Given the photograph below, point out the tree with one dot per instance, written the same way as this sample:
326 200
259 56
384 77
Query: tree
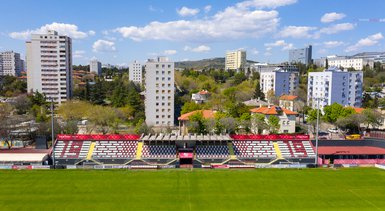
336 111
351 123
190 106
273 123
22 104
245 123
142 128
229 124
258 94
259 122
196 124
372 118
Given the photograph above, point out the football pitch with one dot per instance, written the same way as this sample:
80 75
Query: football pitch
181 189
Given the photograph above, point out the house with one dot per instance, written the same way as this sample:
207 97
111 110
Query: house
184 118
286 118
287 101
200 97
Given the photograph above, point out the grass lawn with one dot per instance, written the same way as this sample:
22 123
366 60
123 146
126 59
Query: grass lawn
179 189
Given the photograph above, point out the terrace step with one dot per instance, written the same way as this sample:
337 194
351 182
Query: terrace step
277 150
231 151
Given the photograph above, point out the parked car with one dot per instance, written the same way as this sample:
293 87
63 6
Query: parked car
333 130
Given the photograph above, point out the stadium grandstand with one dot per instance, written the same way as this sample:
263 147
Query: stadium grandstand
160 150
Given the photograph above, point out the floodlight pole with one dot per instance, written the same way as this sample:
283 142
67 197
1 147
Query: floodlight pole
316 135
52 135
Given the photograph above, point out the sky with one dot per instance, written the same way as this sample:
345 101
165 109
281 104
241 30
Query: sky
120 31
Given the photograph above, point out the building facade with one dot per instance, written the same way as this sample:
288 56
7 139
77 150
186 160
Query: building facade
286 119
49 65
335 86
159 85
96 67
349 62
11 64
301 55
135 72
281 82
235 60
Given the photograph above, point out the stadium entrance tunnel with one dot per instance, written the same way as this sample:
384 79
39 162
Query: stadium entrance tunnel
186 156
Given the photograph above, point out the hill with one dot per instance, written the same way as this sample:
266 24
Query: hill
216 63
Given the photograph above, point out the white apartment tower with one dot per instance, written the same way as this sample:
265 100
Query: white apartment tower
281 82
96 66
49 65
135 72
10 63
335 86
159 84
235 60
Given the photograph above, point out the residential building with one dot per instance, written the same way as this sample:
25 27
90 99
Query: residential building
286 118
11 63
349 62
281 82
335 86
49 65
301 55
200 97
135 72
159 94
96 67
235 60
185 118
287 101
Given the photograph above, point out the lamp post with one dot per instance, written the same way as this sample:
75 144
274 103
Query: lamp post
316 135
52 135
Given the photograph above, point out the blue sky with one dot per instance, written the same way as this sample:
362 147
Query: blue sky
120 31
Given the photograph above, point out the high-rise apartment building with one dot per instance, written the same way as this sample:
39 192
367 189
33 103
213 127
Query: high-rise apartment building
49 65
235 60
10 63
96 67
280 81
335 86
159 85
135 72
301 55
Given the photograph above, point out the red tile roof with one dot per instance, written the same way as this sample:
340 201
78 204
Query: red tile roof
207 114
350 150
358 110
288 97
203 92
272 110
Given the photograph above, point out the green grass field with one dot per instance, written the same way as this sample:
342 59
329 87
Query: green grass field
179 189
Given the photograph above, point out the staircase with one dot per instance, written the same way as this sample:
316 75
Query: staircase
277 150
139 150
91 150
231 150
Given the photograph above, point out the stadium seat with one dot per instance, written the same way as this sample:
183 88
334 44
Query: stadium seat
115 149
159 151
212 151
254 149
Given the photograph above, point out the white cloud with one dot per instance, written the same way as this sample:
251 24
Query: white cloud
332 44
279 43
365 42
70 30
185 11
254 51
91 32
78 54
199 49
336 28
154 9
207 8
260 4
297 31
331 17
243 20
103 46
170 52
